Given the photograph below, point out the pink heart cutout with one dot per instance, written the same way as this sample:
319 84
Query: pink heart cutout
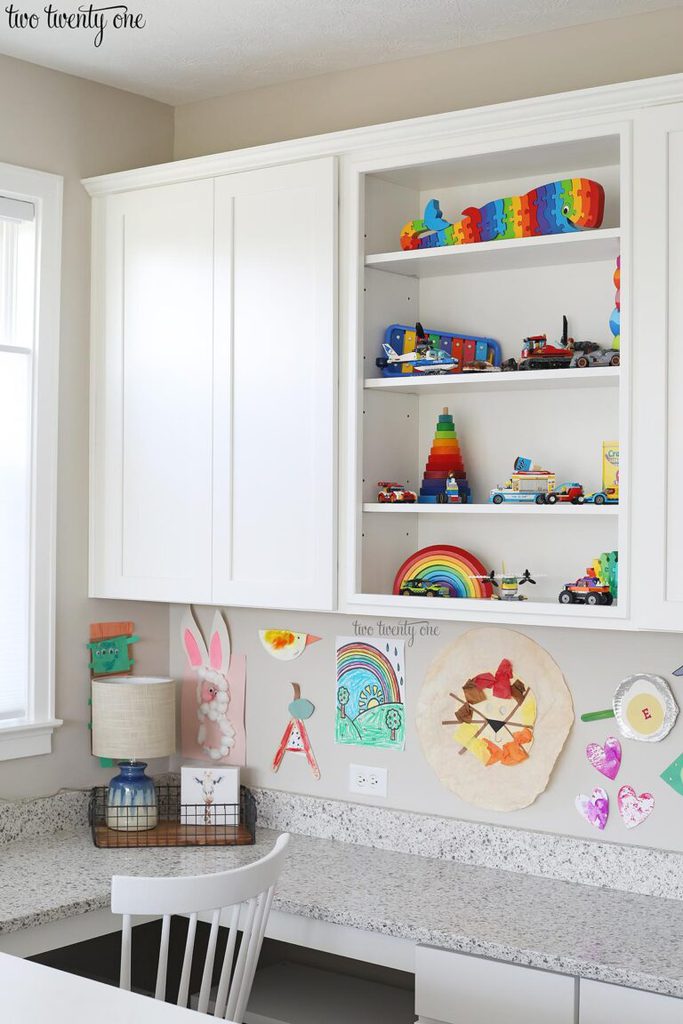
594 808
634 809
607 759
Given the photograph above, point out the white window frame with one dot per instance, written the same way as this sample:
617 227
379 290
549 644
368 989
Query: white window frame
32 734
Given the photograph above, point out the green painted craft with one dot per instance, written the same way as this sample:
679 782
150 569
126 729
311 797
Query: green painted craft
111 656
673 775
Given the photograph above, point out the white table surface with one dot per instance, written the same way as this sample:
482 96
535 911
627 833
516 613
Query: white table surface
33 993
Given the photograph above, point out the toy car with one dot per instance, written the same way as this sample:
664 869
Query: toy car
393 492
500 494
588 589
539 354
588 353
566 492
421 588
608 497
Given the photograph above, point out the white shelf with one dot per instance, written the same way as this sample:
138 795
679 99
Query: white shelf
561 509
508 254
515 380
486 609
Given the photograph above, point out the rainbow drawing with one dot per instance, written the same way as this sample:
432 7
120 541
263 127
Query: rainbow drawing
574 204
370 692
443 565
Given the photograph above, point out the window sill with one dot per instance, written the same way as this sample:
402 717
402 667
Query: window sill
27 739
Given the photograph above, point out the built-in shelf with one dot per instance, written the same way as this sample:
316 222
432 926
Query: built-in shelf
464 607
516 380
507 254
560 509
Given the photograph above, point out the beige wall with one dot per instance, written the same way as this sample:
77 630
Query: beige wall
54 122
572 58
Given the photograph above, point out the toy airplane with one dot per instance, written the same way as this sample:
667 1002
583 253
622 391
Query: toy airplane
509 584
427 357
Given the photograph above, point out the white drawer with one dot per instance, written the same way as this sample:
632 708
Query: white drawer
460 989
599 1003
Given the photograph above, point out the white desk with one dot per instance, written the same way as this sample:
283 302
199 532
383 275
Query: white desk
32 993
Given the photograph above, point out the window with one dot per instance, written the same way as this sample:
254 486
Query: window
30 248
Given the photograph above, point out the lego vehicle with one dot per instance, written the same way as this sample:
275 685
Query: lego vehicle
588 353
424 359
509 584
393 492
566 492
608 497
528 483
539 354
451 496
421 588
588 589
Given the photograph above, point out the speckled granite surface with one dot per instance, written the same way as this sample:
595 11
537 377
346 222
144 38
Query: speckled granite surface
628 868
561 926
42 816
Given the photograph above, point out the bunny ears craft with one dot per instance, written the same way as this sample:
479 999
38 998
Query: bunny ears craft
217 657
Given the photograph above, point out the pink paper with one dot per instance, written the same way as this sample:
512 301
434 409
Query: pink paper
192 697
607 759
634 809
594 808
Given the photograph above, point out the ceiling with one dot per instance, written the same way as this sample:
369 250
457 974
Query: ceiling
195 49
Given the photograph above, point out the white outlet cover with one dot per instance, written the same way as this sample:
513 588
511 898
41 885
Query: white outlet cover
368 780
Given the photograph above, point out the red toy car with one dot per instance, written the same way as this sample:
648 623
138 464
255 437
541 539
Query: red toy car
588 589
566 492
394 492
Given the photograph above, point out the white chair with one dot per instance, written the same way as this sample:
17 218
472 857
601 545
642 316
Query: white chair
250 887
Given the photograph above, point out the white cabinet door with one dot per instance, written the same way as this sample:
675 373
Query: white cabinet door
151 394
657 538
602 1004
275 387
457 989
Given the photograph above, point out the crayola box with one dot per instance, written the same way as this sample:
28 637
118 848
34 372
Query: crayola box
610 468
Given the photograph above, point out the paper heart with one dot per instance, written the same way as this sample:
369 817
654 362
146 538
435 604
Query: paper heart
594 808
634 809
607 759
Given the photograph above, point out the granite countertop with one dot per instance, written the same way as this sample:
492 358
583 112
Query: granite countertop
561 926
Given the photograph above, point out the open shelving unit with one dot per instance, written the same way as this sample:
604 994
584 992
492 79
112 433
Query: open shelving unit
505 290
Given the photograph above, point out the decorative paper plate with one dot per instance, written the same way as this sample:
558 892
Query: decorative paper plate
644 707
493 714
446 566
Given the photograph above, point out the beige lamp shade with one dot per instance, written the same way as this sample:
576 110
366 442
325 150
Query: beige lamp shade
133 717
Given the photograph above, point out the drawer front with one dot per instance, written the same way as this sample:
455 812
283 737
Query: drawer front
460 989
599 1003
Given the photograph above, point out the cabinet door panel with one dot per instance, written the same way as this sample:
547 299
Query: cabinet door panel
275 477
658 370
460 989
600 1003
151 465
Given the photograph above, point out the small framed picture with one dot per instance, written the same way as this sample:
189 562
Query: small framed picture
209 796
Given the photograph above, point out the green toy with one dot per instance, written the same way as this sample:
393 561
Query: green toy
111 656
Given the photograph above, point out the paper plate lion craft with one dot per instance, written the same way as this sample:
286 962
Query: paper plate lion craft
493 715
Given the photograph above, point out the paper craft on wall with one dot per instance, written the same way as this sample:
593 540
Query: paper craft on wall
605 759
295 737
493 715
212 711
594 808
370 693
284 644
109 648
643 706
673 775
634 809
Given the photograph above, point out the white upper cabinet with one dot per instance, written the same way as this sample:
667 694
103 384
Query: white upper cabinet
275 381
213 390
151 394
658 369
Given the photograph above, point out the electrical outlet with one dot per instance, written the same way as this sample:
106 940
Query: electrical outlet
367 780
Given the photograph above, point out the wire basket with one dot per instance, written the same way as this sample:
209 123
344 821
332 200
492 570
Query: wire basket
171 823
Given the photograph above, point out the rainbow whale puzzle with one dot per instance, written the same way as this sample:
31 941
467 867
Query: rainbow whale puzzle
574 204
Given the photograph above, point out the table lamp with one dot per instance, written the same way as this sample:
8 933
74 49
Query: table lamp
132 717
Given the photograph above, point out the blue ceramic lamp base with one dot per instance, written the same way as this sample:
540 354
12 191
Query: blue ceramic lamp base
132 799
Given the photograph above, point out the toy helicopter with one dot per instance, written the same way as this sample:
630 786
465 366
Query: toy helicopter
509 585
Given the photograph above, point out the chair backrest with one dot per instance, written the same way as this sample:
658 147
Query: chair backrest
249 888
